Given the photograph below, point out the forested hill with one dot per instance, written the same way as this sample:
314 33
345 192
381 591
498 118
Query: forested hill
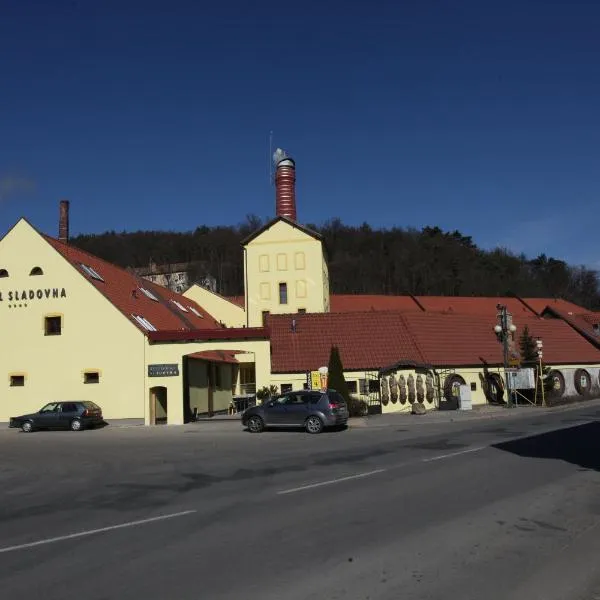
363 260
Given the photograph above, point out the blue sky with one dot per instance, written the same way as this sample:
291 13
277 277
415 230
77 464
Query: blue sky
470 115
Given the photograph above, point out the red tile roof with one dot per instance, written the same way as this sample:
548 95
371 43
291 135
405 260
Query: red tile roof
465 340
230 333
122 289
476 305
472 305
582 323
378 339
222 356
366 341
539 304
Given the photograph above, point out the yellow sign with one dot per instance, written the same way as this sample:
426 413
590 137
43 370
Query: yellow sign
315 380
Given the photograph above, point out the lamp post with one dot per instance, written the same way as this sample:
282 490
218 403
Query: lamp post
540 346
503 330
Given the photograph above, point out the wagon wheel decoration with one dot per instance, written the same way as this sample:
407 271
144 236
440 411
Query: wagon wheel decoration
411 389
385 392
429 395
393 389
420 389
402 388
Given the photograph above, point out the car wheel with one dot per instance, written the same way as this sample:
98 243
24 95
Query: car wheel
255 424
314 425
27 427
76 425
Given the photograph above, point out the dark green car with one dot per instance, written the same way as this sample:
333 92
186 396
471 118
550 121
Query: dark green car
61 415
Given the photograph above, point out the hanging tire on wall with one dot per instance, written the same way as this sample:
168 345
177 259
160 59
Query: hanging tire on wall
583 382
493 389
452 392
557 389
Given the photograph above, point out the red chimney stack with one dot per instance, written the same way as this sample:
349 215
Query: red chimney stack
285 185
63 222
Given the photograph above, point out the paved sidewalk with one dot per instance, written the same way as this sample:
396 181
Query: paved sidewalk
476 414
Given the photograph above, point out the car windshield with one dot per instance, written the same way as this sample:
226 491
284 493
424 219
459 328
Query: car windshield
52 407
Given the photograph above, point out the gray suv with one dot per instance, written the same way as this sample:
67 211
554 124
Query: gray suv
311 410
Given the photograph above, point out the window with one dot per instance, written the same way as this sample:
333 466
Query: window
36 271
52 325
286 387
265 290
69 407
196 312
282 262
473 386
3 273
91 377
91 272
283 293
352 387
299 261
265 315
52 407
179 305
149 294
363 386
263 262
301 311
144 322
373 385
17 380
301 288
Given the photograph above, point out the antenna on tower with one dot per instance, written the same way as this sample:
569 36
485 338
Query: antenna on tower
270 157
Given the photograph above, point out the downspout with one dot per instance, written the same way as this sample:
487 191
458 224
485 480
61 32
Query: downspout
246 285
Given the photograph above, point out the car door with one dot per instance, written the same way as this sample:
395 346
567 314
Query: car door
48 416
275 411
296 408
68 411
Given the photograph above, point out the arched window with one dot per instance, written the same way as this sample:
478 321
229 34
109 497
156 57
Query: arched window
36 271
3 273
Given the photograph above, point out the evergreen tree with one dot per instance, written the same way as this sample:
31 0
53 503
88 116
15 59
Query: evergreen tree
336 374
528 348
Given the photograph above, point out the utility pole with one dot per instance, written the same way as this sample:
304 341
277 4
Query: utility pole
503 330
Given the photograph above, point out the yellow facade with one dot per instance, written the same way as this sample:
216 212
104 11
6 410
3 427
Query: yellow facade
285 271
94 338
222 309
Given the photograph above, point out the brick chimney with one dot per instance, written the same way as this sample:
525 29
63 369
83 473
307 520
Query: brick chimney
63 222
285 185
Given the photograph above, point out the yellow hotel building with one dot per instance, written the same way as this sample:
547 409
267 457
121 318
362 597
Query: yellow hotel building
79 328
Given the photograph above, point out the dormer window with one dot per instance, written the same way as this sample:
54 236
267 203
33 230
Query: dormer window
144 322
149 294
179 305
36 271
91 272
3 273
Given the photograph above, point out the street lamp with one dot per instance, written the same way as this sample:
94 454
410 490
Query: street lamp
540 347
503 332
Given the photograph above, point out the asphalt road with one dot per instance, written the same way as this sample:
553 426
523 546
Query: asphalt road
504 509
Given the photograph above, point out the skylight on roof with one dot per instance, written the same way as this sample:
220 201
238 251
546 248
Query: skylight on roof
197 313
91 272
149 294
144 322
179 305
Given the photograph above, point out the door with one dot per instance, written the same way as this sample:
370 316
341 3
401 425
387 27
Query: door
275 411
296 408
48 416
68 411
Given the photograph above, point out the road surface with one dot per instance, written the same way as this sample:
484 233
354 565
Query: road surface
506 509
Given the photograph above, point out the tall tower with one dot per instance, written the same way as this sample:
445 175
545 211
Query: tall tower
285 185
